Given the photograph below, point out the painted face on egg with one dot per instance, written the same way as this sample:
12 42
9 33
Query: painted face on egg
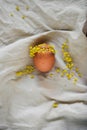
44 59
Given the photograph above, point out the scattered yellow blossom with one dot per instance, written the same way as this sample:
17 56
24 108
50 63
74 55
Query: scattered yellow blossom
69 75
75 80
64 46
55 105
58 70
64 71
19 73
51 74
69 63
76 69
17 8
23 17
79 74
62 74
29 69
31 76
11 14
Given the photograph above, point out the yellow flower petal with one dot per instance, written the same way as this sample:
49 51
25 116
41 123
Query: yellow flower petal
58 70
23 17
51 75
11 14
76 69
17 8
31 76
19 73
79 74
75 80
55 105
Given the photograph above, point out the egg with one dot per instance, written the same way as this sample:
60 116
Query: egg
44 60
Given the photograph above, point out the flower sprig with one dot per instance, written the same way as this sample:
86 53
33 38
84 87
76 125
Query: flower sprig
41 48
29 69
70 66
67 56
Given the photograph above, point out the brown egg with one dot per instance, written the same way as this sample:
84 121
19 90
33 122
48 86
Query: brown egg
44 61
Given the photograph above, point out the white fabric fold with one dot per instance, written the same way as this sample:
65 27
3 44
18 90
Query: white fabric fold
25 103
